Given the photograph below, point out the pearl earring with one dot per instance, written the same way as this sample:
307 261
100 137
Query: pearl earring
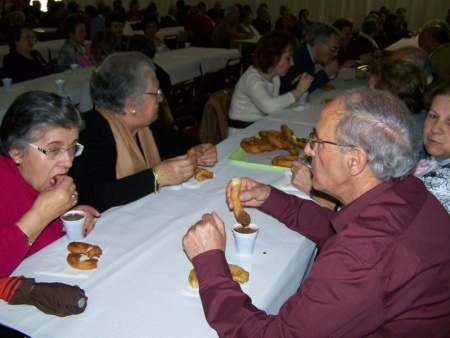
18 163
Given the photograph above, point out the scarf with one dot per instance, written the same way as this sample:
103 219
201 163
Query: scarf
130 159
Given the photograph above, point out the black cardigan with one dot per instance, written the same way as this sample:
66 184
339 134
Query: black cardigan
94 171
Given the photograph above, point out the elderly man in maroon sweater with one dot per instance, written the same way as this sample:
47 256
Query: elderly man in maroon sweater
383 268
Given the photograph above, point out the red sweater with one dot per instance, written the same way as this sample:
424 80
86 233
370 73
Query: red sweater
16 198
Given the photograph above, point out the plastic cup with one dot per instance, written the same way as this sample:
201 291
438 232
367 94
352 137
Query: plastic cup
60 85
73 222
187 44
245 238
7 81
74 68
159 49
304 98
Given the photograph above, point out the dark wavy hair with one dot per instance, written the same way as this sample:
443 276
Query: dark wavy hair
31 115
270 47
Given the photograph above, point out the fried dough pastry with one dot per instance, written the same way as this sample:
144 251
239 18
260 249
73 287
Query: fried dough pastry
254 145
327 87
201 174
326 100
283 144
299 142
239 275
77 250
75 262
191 152
284 160
241 216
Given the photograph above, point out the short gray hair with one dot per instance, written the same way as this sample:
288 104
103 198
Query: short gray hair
121 77
33 114
381 124
323 33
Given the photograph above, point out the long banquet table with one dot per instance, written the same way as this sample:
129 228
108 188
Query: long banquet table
140 287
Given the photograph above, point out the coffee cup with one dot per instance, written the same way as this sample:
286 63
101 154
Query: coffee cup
60 85
245 238
73 222
7 81
74 68
159 49
187 44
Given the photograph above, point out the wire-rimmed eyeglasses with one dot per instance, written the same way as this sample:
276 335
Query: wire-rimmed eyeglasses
158 94
313 140
53 154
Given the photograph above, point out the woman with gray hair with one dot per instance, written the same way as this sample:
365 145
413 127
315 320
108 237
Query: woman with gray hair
39 141
129 153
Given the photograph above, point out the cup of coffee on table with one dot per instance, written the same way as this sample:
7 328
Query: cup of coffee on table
73 222
245 238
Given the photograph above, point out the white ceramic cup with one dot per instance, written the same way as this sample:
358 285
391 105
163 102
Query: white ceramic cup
73 222
60 85
74 68
7 81
187 44
245 242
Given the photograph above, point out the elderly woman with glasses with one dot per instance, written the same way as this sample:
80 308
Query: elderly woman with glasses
39 140
23 63
129 153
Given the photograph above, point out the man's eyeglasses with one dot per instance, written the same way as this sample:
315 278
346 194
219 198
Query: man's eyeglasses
158 94
334 49
53 154
313 140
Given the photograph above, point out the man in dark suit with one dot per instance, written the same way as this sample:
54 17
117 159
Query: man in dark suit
262 21
322 48
170 20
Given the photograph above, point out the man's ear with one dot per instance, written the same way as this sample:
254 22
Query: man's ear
357 160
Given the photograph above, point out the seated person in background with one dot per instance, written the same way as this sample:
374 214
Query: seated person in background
262 20
345 26
23 63
392 29
54 16
134 14
38 143
435 41
103 44
143 44
228 29
170 20
435 170
322 48
383 258
150 27
402 78
124 158
200 27
115 22
73 49
419 57
365 46
257 92
246 23
288 24
99 21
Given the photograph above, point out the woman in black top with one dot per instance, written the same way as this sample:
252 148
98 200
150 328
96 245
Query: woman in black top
23 63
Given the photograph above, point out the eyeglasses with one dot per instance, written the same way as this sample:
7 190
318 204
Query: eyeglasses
158 94
313 140
29 38
334 49
53 154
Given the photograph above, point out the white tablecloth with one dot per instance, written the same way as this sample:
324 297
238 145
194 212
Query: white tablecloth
187 63
140 288
411 42
76 88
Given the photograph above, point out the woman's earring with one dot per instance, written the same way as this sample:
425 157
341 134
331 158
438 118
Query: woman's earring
18 163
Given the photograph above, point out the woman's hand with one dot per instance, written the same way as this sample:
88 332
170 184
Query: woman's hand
176 170
206 154
301 177
51 203
302 85
253 194
89 222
